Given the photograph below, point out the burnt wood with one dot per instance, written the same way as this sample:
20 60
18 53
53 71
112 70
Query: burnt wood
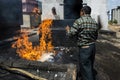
21 72
68 69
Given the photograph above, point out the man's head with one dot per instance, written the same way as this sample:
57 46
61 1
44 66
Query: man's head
85 10
54 10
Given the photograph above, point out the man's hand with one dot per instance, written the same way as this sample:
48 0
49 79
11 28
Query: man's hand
67 28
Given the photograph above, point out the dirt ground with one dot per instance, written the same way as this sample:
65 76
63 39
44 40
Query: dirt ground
115 28
108 56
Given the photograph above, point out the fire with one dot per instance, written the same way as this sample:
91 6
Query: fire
46 38
36 10
25 48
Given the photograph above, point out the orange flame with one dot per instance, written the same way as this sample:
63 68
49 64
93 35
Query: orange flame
26 50
46 39
36 10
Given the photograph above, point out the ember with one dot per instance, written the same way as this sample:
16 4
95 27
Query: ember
26 50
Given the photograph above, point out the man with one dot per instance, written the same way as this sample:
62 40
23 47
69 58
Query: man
55 15
86 30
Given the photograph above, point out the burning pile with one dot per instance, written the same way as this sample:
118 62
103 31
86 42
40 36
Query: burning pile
25 48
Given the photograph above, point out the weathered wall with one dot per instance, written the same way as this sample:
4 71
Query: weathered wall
11 12
47 6
72 9
10 18
116 15
99 11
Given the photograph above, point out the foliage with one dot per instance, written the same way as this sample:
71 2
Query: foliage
115 21
112 22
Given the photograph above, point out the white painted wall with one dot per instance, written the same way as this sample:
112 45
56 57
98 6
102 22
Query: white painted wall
99 8
47 6
47 10
26 21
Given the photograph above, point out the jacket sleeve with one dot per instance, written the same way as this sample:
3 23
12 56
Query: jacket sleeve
74 29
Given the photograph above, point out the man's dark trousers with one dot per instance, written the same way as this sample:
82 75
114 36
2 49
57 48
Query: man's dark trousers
86 62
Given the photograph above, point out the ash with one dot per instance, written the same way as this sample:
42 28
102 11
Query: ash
50 75
64 55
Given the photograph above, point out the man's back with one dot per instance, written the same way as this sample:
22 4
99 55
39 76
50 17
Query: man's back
87 30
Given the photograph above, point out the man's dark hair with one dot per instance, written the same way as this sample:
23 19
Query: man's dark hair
86 9
54 10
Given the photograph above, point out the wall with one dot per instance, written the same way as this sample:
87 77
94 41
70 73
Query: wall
47 6
10 18
116 15
26 21
99 11
28 5
11 12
